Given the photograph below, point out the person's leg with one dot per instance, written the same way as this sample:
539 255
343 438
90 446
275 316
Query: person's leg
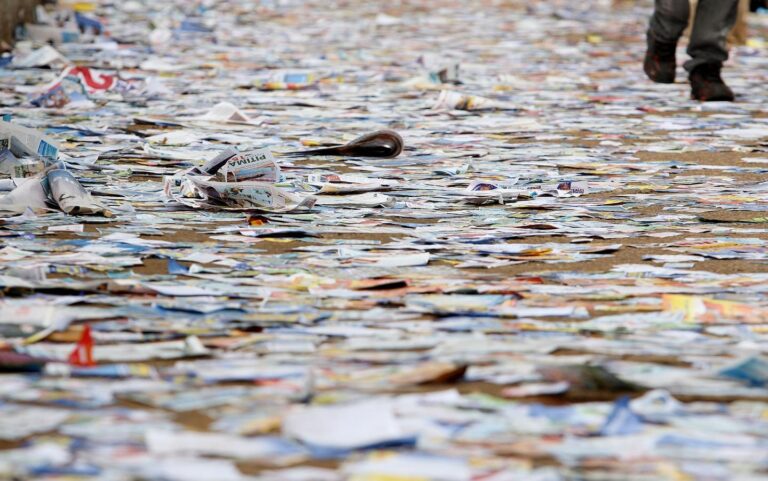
708 50
670 17
714 19
738 35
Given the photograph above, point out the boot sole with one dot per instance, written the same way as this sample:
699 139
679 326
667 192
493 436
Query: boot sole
662 80
713 99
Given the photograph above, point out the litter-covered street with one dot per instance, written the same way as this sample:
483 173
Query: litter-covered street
434 240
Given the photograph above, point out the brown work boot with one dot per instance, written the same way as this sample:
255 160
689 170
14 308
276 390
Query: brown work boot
660 64
707 85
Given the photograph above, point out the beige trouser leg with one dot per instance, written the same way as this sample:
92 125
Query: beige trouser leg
738 35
